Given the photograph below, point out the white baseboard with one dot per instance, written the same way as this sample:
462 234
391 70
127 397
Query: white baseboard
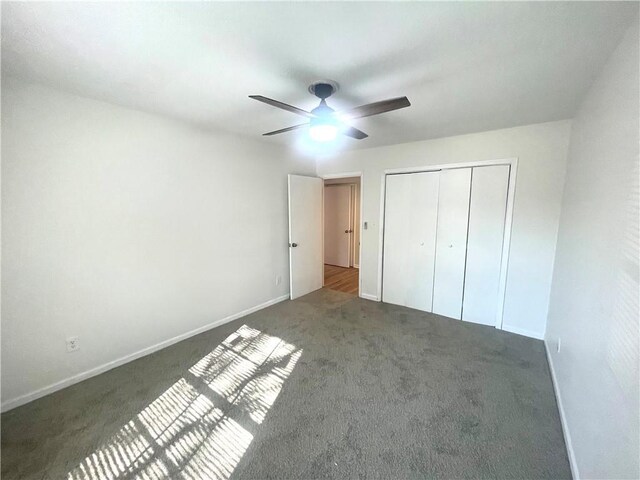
366 296
41 392
355 265
524 332
563 419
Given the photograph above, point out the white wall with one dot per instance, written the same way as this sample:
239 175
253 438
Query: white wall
126 229
594 300
542 152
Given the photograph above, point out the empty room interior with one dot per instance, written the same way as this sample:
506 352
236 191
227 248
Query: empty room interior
299 240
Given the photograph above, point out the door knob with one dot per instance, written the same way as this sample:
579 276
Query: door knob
346 231
293 245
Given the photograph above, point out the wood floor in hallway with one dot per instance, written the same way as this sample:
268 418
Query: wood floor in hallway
341 279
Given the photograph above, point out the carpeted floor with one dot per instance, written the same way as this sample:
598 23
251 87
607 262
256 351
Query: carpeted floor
326 386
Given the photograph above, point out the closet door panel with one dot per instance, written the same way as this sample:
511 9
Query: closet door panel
409 239
451 242
396 233
488 205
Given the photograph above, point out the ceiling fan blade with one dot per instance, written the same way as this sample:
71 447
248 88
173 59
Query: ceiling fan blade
354 133
283 106
375 108
288 129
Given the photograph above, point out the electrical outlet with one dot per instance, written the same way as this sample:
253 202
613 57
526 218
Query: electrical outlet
278 279
73 344
558 345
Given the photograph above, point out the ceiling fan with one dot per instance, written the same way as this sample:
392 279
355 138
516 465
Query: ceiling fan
324 122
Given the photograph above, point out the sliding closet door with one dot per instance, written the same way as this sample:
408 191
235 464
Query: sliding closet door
488 206
451 242
411 206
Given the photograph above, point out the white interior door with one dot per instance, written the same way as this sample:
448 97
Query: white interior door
451 241
487 212
305 235
411 205
337 225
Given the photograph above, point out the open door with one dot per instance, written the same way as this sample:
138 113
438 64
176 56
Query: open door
305 235
337 225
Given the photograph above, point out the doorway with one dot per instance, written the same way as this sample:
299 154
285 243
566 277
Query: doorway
341 234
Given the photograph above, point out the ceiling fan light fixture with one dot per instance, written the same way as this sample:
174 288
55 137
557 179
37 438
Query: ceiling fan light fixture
323 132
325 123
323 128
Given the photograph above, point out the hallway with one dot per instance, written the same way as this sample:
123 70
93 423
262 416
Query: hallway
341 279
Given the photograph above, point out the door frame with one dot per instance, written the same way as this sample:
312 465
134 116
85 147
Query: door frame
506 242
350 252
332 176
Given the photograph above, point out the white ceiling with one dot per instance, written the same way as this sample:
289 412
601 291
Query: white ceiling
465 67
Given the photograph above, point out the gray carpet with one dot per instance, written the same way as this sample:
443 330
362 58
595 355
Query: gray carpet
326 386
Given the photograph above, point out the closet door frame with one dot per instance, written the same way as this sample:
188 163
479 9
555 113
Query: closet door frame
513 164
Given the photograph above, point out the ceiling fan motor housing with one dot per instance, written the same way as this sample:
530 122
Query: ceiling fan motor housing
322 111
